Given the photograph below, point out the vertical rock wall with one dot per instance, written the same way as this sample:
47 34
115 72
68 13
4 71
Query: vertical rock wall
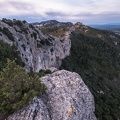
38 51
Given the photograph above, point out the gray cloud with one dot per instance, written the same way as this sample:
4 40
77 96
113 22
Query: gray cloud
63 10
54 13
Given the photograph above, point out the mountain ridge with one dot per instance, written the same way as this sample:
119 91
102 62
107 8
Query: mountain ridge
52 23
92 53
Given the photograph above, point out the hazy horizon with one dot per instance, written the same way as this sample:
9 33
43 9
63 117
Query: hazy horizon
88 12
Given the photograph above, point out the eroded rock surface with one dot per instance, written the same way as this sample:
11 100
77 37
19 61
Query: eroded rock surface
35 111
66 98
38 51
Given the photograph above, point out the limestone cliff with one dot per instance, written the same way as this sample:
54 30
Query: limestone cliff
66 98
38 50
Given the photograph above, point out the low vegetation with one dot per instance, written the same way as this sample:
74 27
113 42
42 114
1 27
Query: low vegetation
7 33
17 88
11 52
98 63
56 31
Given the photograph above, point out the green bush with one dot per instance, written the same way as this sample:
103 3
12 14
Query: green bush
18 22
17 88
9 22
8 33
43 72
11 52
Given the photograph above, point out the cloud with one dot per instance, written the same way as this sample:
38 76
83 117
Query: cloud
17 5
64 10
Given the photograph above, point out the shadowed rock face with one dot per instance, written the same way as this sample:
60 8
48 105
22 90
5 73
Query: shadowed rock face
38 51
66 98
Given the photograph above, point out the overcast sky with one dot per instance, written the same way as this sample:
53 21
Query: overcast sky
86 11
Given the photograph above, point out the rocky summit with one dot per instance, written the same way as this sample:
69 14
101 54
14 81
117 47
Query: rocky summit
66 98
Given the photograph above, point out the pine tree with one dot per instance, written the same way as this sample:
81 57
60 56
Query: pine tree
17 88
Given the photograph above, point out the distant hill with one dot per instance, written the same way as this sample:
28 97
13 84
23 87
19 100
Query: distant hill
107 26
112 27
52 23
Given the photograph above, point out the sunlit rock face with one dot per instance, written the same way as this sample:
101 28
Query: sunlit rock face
35 111
66 98
37 50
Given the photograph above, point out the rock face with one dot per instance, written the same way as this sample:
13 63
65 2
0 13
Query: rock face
66 98
35 111
38 51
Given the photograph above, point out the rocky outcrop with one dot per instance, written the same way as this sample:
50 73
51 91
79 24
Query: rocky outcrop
66 98
35 111
38 51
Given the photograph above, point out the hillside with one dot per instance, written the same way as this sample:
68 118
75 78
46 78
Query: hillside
111 27
95 55
60 95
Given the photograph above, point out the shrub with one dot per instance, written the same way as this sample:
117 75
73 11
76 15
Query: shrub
11 52
9 22
17 88
8 33
18 22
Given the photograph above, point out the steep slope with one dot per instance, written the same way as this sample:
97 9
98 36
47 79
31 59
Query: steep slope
67 98
95 55
38 51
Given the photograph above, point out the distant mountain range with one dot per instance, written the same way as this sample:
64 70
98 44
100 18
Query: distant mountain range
114 27
107 26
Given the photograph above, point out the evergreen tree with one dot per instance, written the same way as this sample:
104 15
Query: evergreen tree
17 88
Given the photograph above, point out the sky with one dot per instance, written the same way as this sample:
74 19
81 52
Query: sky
85 11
